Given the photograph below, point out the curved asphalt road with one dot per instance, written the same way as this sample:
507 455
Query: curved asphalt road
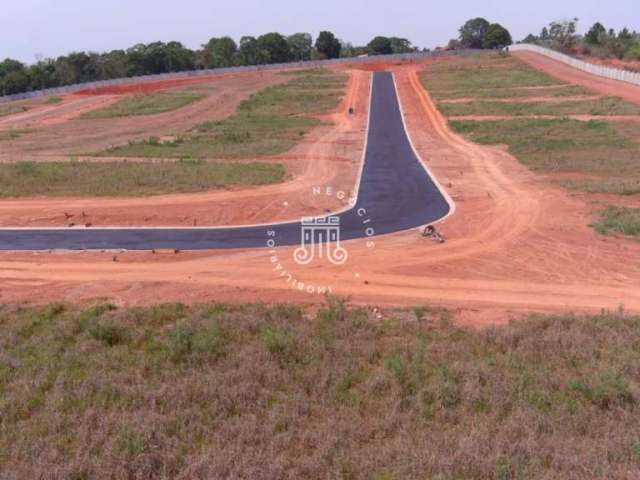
396 193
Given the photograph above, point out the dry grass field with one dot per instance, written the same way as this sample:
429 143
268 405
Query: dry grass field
255 391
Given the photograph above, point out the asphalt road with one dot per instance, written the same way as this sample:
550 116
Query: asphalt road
396 193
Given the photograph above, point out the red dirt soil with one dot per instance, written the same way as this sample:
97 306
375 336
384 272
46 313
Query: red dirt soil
569 74
516 243
155 86
329 156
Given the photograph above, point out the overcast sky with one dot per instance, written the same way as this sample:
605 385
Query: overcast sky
55 27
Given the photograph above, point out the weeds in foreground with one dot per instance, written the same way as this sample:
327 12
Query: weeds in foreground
204 390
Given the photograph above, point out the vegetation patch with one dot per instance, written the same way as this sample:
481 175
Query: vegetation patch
74 178
481 73
608 151
146 104
173 391
53 100
560 144
620 220
515 92
11 109
14 133
268 123
602 106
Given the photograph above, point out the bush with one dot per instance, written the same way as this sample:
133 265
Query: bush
633 53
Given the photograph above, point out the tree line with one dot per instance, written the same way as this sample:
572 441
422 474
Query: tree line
598 41
160 57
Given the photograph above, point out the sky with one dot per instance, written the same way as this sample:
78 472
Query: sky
48 28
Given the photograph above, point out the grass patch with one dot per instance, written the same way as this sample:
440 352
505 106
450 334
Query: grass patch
482 74
53 100
14 133
625 221
599 148
270 122
602 106
171 390
610 185
130 178
11 109
559 144
146 104
513 92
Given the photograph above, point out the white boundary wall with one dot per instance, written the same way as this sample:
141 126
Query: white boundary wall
222 71
599 70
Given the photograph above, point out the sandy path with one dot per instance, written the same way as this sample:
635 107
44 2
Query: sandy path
515 244
329 156
568 74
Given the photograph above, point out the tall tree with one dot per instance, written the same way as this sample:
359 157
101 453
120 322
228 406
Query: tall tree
596 34
300 45
563 33
401 45
380 46
220 52
249 51
497 37
274 48
474 32
328 45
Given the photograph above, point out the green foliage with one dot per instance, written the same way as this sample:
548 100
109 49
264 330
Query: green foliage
401 45
596 34
130 178
380 46
300 45
274 48
280 343
473 33
146 104
328 45
621 220
496 37
220 52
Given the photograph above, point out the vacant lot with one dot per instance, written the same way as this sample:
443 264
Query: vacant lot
270 122
559 145
482 74
25 179
602 155
218 391
146 104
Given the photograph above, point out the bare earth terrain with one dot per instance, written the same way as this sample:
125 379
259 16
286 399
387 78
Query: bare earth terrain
330 155
515 243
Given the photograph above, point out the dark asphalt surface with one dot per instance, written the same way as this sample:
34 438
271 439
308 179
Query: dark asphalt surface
396 194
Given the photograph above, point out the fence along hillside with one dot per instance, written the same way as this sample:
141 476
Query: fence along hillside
599 70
